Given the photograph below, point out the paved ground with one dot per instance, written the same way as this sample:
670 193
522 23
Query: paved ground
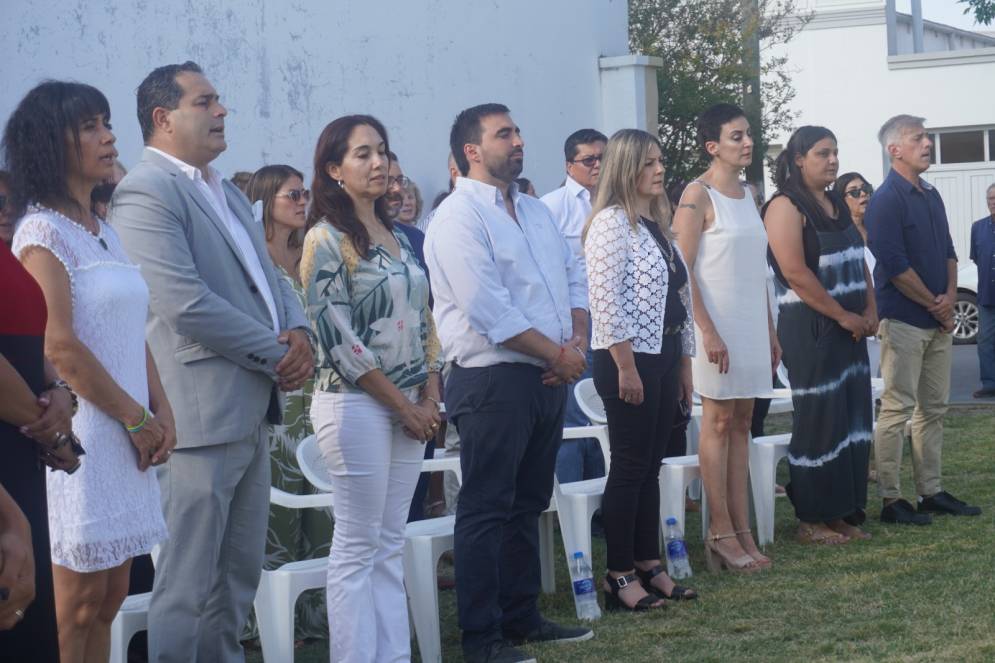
964 375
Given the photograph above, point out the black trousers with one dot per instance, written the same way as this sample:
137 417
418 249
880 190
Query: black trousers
639 437
510 427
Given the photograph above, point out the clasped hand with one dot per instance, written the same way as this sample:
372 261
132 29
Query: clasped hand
420 420
298 364
568 365
943 310
54 429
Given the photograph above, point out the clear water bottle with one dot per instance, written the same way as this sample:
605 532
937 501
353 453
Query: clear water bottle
585 597
678 565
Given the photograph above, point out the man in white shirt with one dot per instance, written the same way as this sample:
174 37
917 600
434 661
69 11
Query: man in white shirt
511 311
227 335
578 459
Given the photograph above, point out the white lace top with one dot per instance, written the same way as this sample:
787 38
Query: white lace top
108 511
627 285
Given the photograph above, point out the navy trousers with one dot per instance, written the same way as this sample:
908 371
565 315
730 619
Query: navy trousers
510 427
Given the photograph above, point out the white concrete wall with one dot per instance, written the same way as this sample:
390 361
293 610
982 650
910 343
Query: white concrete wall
285 69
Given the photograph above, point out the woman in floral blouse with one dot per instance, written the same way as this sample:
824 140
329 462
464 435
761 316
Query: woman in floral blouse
642 339
377 396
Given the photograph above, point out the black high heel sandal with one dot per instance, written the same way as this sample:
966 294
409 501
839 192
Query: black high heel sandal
678 593
614 602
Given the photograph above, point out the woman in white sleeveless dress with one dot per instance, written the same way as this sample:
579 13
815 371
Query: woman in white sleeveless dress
59 146
722 237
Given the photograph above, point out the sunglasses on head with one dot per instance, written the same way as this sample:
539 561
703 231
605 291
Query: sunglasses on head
856 193
296 195
588 161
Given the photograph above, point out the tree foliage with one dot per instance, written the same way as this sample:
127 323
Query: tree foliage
702 44
984 10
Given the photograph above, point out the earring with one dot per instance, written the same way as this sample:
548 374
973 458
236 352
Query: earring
341 184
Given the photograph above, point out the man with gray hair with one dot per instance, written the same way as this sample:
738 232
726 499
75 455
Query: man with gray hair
916 286
983 255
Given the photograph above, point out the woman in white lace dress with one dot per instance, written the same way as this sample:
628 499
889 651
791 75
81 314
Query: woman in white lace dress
58 145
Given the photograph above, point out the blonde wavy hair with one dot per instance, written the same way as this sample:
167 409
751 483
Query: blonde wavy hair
623 160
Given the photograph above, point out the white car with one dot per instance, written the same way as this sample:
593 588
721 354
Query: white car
966 308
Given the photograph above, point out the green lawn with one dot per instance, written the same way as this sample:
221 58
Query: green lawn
909 594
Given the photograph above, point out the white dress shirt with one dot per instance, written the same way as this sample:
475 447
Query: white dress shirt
570 205
215 194
493 278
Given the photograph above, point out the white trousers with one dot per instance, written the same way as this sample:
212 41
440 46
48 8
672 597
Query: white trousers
374 467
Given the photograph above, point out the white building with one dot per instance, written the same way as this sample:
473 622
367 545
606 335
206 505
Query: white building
284 70
858 62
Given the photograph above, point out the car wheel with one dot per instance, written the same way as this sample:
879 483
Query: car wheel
965 319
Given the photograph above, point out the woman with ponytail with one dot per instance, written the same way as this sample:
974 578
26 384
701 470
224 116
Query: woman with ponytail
826 313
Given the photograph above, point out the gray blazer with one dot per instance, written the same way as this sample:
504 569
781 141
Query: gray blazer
209 328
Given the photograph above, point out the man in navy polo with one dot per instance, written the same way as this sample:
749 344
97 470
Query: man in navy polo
916 286
983 255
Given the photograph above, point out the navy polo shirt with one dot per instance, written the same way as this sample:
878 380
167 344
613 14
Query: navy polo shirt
907 228
983 255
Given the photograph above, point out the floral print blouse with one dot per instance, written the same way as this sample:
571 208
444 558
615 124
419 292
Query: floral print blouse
368 313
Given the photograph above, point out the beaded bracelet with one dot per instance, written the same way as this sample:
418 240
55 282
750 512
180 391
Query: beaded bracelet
140 425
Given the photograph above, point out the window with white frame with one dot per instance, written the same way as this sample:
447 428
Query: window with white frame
963 146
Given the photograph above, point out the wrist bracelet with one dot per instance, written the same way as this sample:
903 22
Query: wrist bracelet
62 384
140 425
438 405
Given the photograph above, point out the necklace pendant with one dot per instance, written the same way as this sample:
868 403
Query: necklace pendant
103 243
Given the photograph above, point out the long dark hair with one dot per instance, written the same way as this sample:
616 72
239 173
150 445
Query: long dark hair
263 185
787 174
839 186
330 201
34 142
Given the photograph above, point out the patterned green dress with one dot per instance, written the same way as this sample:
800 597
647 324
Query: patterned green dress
296 534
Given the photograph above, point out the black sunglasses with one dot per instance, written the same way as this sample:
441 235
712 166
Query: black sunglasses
856 193
588 161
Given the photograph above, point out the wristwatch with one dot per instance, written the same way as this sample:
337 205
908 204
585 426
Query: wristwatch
62 384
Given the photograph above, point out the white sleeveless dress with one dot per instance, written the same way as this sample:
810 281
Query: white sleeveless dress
107 511
731 274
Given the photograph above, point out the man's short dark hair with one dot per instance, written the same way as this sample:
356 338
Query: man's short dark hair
710 124
581 137
160 90
467 129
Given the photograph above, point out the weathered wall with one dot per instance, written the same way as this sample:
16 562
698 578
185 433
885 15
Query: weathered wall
285 69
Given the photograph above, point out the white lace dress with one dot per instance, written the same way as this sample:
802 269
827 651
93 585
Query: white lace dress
108 511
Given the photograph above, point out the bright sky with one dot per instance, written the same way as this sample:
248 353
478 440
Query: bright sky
949 12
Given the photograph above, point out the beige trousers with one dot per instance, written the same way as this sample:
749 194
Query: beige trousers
915 365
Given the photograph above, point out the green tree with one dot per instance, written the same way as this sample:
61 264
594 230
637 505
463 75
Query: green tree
984 10
704 46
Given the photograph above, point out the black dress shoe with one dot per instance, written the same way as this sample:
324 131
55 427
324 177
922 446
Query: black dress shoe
497 652
548 631
984 393
944 502
902 513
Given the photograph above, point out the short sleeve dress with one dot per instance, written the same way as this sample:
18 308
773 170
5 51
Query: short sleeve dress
108 511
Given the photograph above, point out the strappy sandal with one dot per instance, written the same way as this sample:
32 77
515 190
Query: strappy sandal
715 559
766 561
614 602
678 593
807 534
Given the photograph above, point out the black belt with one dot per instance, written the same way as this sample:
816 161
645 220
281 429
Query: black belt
673 330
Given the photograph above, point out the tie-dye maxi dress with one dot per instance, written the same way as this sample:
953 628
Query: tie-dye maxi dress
830 381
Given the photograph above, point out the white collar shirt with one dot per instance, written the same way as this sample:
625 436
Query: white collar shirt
493 278
215 195
570 205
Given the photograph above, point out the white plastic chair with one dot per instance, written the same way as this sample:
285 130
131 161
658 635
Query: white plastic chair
577 501
131 618
765 453
676 475
590 403
280 588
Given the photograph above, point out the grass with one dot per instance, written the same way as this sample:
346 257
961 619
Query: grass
909 594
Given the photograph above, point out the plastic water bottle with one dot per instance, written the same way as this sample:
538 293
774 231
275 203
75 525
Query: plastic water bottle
585 598
678 565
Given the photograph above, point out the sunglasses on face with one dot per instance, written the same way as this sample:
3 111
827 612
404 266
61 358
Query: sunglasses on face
400 181
588 161
857 193
296 195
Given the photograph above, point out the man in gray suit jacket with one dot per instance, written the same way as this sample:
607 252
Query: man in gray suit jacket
227 335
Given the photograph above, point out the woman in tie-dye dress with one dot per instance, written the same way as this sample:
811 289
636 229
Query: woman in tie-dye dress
826 313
